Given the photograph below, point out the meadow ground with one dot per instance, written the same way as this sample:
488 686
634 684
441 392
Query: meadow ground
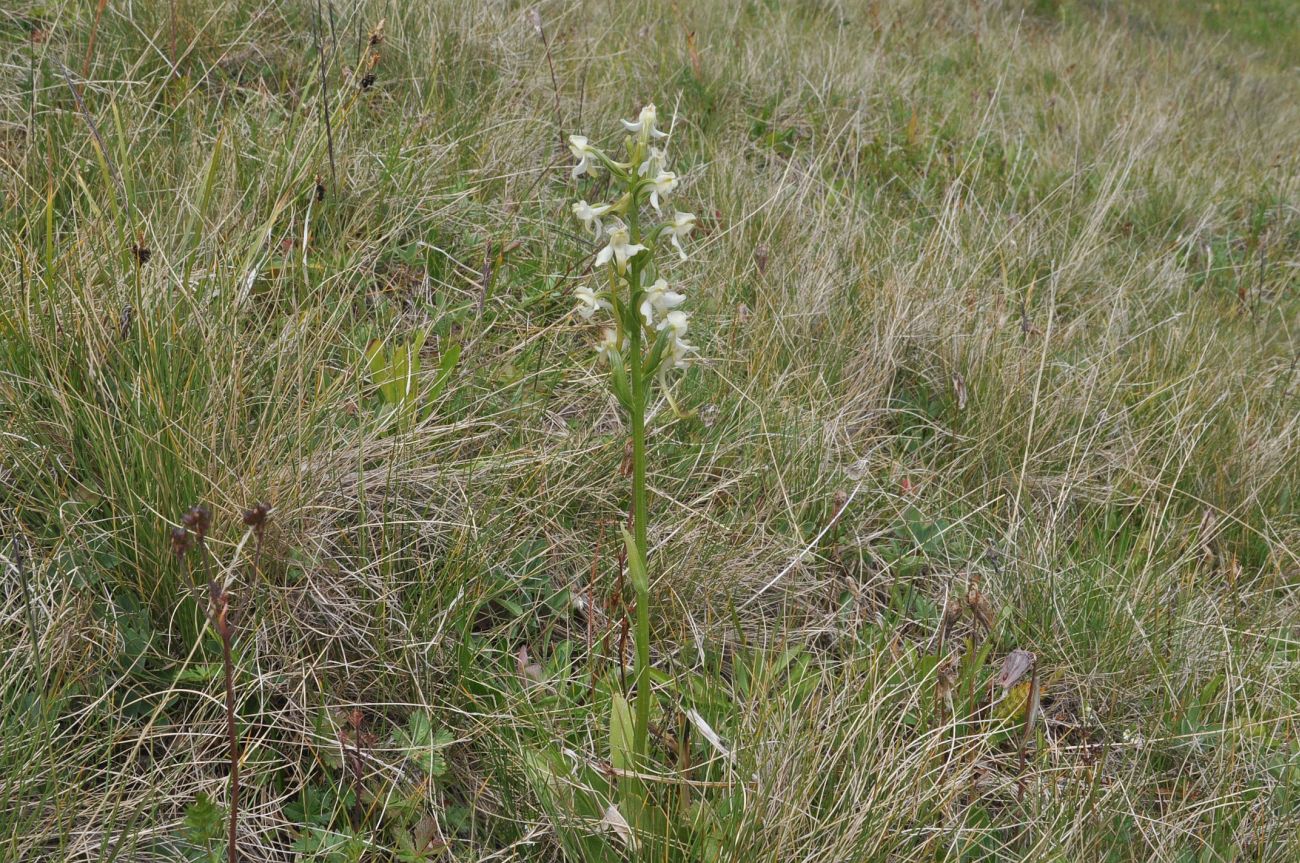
998 309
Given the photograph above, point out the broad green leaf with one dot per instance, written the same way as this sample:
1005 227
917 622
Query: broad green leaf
618 381
203 820
423 744
621 750
636 567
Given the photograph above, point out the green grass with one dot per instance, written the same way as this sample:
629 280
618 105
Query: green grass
1014 283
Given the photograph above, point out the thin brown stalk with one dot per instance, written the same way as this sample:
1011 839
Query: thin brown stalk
325 96
593 665
536 18
221 603
485 278
94 31
94 131
1031 716
199 520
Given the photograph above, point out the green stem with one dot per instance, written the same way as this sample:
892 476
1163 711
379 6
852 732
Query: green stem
641 728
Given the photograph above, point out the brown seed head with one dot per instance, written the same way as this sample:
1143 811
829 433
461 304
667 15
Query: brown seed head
256 517
198 519
180 538
952 611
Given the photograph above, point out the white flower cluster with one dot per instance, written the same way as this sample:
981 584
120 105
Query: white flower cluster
638 296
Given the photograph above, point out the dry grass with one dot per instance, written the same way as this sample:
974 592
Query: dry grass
1000 275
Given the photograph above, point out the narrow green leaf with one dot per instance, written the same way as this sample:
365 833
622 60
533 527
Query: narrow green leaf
199 214
657 352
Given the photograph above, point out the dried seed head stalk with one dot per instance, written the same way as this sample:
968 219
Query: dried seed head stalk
180 539
140 251
256 517
980 608
199 520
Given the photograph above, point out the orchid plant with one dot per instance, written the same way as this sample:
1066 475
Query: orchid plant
644 339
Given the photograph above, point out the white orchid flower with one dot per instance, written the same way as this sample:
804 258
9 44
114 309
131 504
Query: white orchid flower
676 322
620 247
681 225
589 303
659 298
609 343
590 216
681 352
644 125
662 184
654 162
588 156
